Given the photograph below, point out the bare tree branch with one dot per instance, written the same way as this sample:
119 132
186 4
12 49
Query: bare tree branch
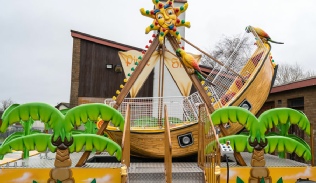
4 104
232 51
229 49
290 73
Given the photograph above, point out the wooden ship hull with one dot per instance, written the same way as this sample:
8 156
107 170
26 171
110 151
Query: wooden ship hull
150 143
255 91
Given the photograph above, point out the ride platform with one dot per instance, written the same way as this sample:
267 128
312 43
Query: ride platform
104 168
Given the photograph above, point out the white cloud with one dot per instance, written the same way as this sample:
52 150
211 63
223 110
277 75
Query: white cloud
232 174
25 177
106 178
307 173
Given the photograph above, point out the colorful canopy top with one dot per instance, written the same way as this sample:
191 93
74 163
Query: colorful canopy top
165 19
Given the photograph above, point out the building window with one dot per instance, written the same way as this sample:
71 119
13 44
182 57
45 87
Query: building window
296 103
279 102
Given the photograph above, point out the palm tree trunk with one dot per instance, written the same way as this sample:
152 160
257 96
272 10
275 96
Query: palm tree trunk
62 158
27 125
259 170
62 171
257 159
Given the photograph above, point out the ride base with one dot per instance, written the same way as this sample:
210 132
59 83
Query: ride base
13 169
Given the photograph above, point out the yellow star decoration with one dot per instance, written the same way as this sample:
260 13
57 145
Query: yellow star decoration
165 19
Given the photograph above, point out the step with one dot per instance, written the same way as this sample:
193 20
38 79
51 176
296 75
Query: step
154 172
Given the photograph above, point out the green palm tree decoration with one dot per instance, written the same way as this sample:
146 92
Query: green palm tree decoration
36 111
26 114
97 142
275 143
39 142
259 143
62 141
283 118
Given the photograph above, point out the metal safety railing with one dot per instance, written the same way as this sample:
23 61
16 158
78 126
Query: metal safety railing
147 112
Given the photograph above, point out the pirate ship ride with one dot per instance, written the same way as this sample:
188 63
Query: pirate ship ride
245 80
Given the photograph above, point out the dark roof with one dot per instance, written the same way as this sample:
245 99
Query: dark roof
102 41
62 103
295 85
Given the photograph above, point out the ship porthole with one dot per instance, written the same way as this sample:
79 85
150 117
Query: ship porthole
246 105
185 140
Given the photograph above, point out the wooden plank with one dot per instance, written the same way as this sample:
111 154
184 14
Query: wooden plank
168 149
201 139
126 143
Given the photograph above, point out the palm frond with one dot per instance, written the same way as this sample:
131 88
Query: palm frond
300 140
276 116
8 110
12 137
240 115
39 142
287 144
35 111
97 142
235 115
83 113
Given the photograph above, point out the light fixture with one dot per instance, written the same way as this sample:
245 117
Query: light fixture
185 140
109 66
246 105
118 68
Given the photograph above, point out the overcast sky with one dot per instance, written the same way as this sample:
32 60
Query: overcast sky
36 45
